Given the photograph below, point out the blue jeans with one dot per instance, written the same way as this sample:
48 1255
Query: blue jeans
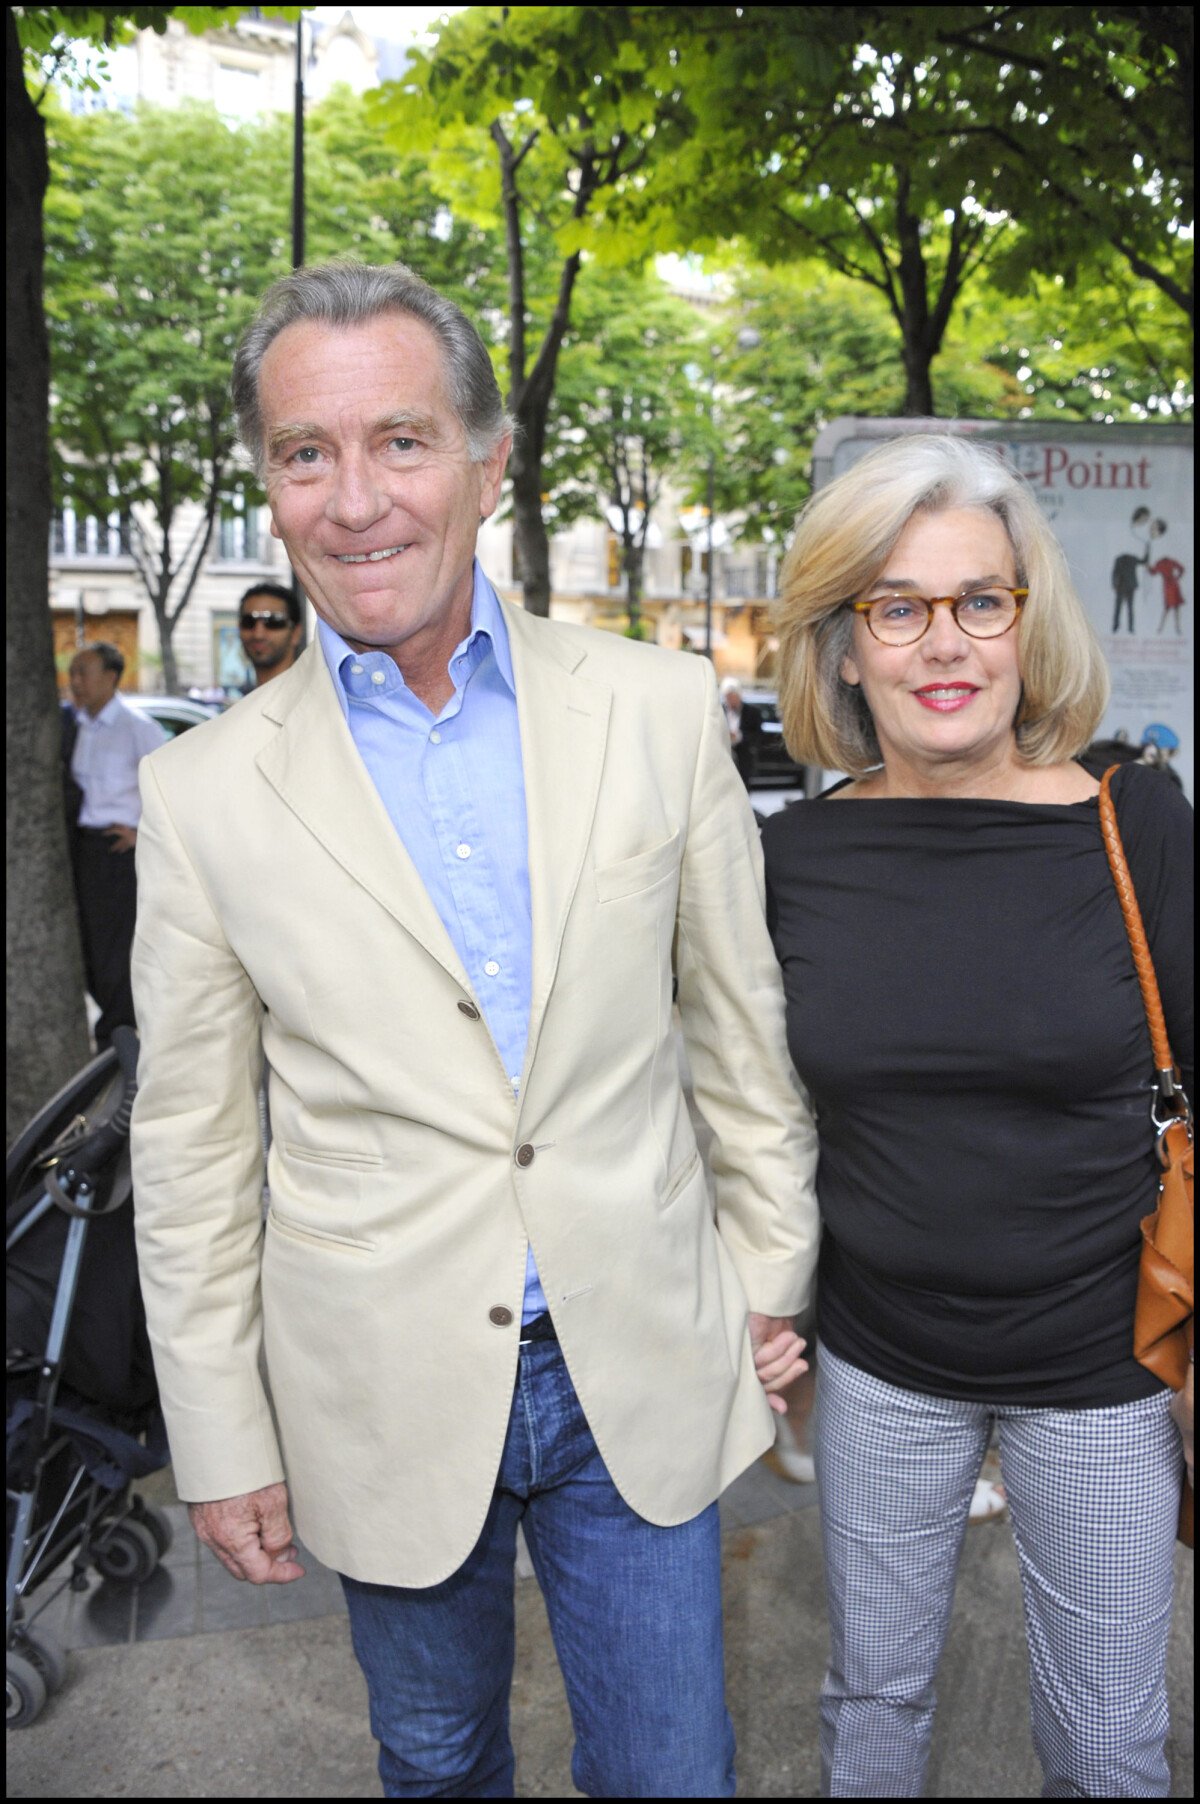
635 1612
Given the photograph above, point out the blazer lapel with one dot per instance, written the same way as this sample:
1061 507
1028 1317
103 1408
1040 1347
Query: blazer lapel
564 729
314 766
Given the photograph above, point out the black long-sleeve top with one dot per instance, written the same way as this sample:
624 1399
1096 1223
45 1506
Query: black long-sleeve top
963 1006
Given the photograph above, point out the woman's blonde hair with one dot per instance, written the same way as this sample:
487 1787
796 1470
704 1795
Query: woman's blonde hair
844 537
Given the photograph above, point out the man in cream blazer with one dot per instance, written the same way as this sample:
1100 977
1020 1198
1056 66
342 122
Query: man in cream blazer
443 876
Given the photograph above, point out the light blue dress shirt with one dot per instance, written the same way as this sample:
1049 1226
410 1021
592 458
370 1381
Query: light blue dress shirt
454 789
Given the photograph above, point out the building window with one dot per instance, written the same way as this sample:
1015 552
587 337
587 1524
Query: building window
237 93
693 568
230 669
238 539
75 535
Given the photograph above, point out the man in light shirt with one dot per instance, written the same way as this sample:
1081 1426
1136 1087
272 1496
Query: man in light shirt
110 742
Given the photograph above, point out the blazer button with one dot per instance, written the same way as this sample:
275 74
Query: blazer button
469 1010
525 1154
500 1316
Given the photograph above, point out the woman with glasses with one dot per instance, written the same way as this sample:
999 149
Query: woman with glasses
963 1007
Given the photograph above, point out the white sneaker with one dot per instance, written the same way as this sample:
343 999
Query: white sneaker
988 1500
785 1458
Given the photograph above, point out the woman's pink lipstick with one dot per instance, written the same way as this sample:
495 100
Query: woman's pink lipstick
945 698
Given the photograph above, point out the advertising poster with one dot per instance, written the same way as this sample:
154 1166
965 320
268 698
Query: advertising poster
1119 499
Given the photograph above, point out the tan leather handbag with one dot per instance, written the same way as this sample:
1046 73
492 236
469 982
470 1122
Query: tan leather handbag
1163 1318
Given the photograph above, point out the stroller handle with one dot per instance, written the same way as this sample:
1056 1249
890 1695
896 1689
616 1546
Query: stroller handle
69 1177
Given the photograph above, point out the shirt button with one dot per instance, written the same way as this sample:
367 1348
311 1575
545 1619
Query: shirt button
435 737
525 1154
501 1316
469 1010
463 851
377 676
492 968
356 670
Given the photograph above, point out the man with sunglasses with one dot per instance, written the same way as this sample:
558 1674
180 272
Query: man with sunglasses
270 629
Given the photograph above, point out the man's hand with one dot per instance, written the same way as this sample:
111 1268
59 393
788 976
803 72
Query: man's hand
121 839
250 1535
1183 1408
777 1350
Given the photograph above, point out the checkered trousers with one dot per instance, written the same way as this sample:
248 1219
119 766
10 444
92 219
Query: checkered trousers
1093 1496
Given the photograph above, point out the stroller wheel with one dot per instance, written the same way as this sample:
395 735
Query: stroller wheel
128 1554
26 1692
159 1524
50 1658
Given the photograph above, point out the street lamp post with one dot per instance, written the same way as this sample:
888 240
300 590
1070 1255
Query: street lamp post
298 151
708 576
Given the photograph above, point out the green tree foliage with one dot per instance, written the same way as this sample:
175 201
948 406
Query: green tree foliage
1085 120
1106 348
357 179
909 149
151 275
535 118
827 347
625 418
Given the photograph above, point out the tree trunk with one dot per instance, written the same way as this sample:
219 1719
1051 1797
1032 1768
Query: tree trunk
634 558
918 349
47 1027
918 384
170 670
530 393
529 528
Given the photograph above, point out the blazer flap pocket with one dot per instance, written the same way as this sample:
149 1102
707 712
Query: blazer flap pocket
309 1236
629 876
335 1156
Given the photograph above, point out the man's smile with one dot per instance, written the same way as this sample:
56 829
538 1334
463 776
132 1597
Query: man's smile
369 557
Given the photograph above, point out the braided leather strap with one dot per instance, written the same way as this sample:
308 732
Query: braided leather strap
1142 961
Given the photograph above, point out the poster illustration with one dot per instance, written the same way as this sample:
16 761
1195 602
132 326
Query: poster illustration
1119 499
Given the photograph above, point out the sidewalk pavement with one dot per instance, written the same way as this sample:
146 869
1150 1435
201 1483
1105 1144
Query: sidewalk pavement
196 1686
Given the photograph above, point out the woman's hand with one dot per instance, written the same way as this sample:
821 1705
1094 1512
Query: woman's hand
777 1350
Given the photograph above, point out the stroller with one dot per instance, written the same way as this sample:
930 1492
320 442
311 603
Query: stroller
82 1415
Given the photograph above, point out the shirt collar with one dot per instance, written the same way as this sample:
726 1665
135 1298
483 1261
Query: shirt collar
109 712
488 628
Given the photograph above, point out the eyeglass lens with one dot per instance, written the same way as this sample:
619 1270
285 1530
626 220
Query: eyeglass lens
981 613
276 622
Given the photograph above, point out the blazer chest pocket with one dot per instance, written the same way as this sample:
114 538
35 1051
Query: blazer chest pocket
630 876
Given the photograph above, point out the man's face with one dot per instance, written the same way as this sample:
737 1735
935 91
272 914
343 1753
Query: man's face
370 483
267 632
92 686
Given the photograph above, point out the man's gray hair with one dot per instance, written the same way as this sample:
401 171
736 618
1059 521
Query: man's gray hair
351 294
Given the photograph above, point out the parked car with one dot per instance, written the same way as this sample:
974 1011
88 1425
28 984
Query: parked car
174 713
769 760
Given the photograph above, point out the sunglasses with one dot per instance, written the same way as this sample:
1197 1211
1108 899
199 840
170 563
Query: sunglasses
275 622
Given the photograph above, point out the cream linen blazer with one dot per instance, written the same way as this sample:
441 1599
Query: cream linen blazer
362 1342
